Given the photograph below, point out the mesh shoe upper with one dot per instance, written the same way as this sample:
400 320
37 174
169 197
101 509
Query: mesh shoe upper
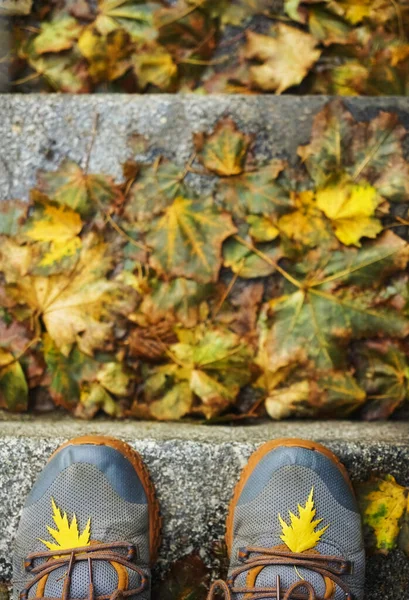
296 496
87 494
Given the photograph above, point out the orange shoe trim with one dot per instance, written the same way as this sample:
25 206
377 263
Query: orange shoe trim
155 520
254 461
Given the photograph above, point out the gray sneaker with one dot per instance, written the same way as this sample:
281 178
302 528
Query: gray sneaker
90 527
294 530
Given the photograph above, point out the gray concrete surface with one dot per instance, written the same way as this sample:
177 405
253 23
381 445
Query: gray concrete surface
38 131
195 468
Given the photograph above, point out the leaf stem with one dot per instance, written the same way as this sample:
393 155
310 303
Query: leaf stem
268 260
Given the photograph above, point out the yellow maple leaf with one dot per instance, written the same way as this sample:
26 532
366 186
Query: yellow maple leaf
350 207
302 533
67 534
287 56
59 226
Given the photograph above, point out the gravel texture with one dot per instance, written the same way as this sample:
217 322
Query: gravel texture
195 468
38 131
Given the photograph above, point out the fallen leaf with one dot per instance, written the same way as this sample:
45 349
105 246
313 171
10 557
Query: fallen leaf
186 240
224 151
383 503
66 373
383 371
155 67
153 189
76 306
57 228
209 364
13 384
351 208
108 56
58 35
256 192
84 193
334 302
306 225
133 16
287 55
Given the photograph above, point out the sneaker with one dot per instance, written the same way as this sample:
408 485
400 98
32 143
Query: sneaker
294 530
90 527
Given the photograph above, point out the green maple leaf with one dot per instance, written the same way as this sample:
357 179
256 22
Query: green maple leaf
256 192
186 240
70 186
336 300
155 187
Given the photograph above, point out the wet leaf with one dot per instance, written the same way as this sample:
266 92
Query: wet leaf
224 151
186 240
287 54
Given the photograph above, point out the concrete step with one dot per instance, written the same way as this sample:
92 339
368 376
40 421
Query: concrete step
38 131
195 468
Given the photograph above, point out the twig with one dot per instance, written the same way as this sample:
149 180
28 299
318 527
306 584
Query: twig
94 132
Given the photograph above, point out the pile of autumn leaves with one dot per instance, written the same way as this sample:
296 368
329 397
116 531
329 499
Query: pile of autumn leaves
308 46
283 290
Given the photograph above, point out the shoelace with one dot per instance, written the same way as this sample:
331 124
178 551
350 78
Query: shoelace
331 567
95 552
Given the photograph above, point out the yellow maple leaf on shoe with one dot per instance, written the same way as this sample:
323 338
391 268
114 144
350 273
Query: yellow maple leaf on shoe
351 208
66 534
302 533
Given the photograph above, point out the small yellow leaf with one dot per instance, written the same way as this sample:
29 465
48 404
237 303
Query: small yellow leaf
302 533
350 207
58 226
66 534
